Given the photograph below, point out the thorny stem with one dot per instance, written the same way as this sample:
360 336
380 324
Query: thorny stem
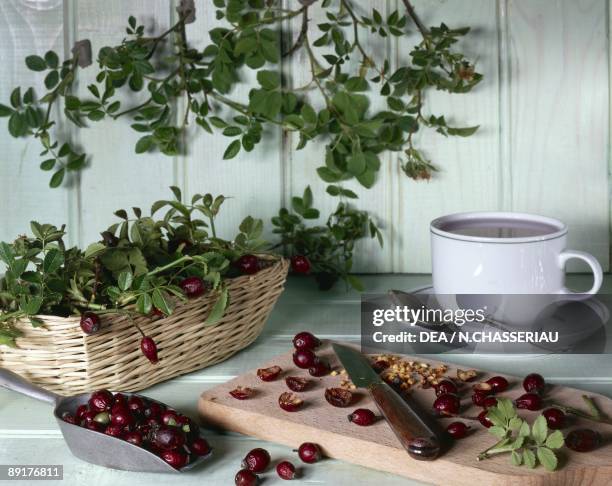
301 37
415 18
367 61
595 416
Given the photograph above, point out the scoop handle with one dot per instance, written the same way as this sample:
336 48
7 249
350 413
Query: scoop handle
14 382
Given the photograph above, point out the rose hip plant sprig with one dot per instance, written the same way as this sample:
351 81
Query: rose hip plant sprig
141 266
183 86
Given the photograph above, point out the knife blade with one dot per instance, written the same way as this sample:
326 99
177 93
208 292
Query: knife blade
415 431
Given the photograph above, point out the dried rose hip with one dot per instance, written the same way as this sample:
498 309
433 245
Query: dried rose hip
193 286
478 398
457 430
244 477
529 401
90 323
285 470
485 388
583 440
447 404
248 264
309 452
304 358
498 384
466 375
256 460
320 368
555 418
363 417
269 374
290 402
297 383
489 402
149 349
242 392
338 397
101 400
534 383
445 386
306 340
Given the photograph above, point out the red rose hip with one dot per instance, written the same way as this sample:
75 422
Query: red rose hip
445 386
149 349
304 358
244 477
193 286
300 264
555 418
90 323
285 470
529 401
534 383
309 452
363 417
256 460
457 430
101 400
320 368
583 440
498 384
175 458
248 264
447 404
305 340
199 447
484 420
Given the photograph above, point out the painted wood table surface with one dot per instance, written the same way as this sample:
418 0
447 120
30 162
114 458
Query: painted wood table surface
29 435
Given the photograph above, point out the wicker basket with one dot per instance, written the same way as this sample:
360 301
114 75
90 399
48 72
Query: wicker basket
61 358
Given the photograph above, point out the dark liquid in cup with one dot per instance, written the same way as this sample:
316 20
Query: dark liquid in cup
499 228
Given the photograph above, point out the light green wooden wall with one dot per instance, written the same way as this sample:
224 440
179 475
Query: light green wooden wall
543 108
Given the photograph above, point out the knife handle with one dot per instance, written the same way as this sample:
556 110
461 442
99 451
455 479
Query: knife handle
421 442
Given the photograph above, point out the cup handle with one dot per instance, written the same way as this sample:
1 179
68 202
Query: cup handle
591 261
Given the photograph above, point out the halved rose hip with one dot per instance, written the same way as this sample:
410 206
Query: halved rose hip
242 392
290 402
338 397
297 383
269 374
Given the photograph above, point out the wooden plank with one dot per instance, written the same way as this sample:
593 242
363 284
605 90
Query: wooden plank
252 179
117 177
469 174
559 102
376 446
26 28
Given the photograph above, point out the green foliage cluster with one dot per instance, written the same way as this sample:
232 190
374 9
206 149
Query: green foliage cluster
137 266
527 445
334 108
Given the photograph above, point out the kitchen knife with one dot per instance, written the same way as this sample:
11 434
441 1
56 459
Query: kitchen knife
406 420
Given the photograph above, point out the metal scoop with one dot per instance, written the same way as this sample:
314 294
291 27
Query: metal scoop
89 445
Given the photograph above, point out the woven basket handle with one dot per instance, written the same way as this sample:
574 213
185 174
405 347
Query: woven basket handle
14 382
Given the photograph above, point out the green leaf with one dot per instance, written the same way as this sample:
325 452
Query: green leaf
94 250
53 261
6 253
17 125
144 304
16 98
516 459
367 178
51 79
524 431
124 282
308 114
32 305
515 423
52 59
356 83
57 178
354 282
539 430
496 416
497 431
35 63
555 440
5 110
328 175
462 132
268 80
218 309
72 102
547 458
232 150
356 163
506 408
160 302
144 144
529 458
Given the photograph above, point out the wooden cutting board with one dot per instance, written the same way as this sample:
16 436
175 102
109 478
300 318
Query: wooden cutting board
377 447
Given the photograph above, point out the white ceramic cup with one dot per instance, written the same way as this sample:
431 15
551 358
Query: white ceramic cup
503 263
